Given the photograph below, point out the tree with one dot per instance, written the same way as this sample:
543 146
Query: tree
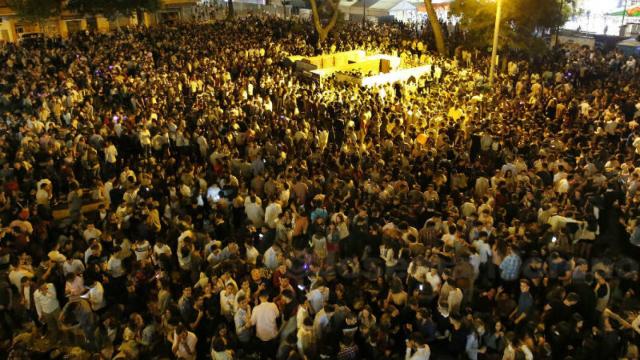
523 22
328 9
436 27
230 11
36 11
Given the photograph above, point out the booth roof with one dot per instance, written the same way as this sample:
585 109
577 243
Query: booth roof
386 4
404 5
437 4
358 4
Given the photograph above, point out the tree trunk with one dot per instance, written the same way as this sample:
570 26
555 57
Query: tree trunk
43 29
323 31
230 11
435 26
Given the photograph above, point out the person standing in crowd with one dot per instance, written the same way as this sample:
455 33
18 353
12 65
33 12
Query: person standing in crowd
264 317
48 309
184 344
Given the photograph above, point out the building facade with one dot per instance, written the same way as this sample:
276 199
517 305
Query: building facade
12 28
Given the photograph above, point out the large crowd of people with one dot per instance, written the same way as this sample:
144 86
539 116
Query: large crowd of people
183 193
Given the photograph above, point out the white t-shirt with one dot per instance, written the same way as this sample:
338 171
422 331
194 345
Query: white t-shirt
96 297
264 317
111 154
160 250
142 250
115 267
271 214
252 255
42 197
190 342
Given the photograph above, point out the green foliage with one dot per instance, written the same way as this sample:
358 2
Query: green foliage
111 8
326 8
36 11
522 26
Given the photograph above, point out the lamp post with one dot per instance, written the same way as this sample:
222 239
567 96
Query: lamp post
494 50
558 27
624 12
364 12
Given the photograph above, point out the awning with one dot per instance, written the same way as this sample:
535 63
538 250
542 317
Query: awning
385 4
632 12
437 4
403 6
356 8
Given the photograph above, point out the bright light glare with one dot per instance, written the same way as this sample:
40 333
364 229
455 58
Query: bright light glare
599 6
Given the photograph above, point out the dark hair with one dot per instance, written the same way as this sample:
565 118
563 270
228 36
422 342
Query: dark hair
184 251
573 297
307 321
288 294
218 344
588 278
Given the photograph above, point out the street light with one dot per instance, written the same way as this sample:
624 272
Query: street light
364 13
624 12
494 50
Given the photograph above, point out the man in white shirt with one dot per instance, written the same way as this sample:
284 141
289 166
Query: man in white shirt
115 266
264 318
271 214
16 275
110 153
184 344
142 249
145 139
44 193
321 321
228 305
484 249
318 297
160 249
270 257
254 211
96 295
91 232
48 308
72 265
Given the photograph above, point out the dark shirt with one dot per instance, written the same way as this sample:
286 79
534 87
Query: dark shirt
458 341
559 312
586 306
525 303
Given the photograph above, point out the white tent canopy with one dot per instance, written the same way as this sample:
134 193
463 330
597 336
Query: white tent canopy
398 8
345 6
356 8
385 4
403 6
404 11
